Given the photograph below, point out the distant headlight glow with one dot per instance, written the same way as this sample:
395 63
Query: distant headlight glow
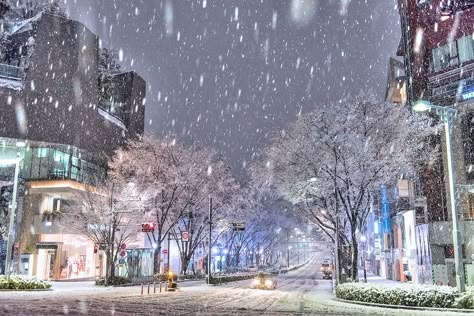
268 283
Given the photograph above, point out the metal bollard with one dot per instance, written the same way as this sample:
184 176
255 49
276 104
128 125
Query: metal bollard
166 287
142 289
148 288
154 287
160 286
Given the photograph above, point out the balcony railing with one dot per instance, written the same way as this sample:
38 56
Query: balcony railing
11 72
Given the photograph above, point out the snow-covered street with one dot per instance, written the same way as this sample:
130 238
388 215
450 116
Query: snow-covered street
301 292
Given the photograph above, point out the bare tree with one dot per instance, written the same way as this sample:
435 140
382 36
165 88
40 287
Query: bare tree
90 213
218 183
331 162
177 179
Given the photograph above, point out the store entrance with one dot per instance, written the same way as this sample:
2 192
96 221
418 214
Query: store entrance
50 259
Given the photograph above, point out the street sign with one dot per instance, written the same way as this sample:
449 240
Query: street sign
148 227
123 246
123 253
121 261
238 226
165 251
184 236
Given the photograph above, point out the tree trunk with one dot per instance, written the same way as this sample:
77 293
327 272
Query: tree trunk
156 259
107 268
355 254
157 252
237 258
184 264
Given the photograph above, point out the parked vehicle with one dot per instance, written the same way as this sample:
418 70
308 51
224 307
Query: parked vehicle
252 269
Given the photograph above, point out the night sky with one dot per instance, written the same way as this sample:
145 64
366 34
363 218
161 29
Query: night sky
227 73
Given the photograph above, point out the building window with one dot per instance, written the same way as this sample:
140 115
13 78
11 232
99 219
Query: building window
467 125
453 54
445 56
466 48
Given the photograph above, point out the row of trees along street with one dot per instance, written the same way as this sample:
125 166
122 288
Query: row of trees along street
331 163
327 166
168 183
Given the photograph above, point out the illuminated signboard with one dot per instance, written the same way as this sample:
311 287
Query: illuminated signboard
385 211
468 95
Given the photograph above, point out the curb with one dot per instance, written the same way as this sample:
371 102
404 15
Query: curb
25 290
417 308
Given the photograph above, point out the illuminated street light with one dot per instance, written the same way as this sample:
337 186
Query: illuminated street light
447 115
13 209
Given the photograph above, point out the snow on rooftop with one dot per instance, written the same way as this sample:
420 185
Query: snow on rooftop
112 119
11 84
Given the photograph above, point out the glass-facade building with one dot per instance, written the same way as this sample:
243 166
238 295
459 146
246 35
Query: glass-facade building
45 161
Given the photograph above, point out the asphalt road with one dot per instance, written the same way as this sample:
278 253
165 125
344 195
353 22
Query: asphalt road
300 292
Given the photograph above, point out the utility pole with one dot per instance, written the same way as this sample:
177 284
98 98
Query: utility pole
11 227
304 251
298 248
209 254
112 263
169 245
457 241
288 248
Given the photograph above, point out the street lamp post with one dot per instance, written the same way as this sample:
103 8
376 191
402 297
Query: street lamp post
13 209
447 115
209 255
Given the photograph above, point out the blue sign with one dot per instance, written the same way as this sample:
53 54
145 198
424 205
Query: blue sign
468 95
467 90
121 261
385 211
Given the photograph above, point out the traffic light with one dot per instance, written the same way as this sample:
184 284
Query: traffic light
96 248
148 227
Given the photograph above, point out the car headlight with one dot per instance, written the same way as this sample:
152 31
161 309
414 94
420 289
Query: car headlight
256 282
268 283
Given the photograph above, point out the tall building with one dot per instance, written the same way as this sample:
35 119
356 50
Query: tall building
438 47
49 100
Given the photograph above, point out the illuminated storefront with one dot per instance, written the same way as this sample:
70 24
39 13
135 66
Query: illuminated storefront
65 256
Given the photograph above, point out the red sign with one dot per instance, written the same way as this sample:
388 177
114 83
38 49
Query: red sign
201 264
123 253
184 236
123 246
165 251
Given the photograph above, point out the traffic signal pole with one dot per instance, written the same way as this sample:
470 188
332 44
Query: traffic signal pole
209 254
287 248
168 256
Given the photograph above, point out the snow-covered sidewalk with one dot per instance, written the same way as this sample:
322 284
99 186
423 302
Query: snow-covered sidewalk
373 278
